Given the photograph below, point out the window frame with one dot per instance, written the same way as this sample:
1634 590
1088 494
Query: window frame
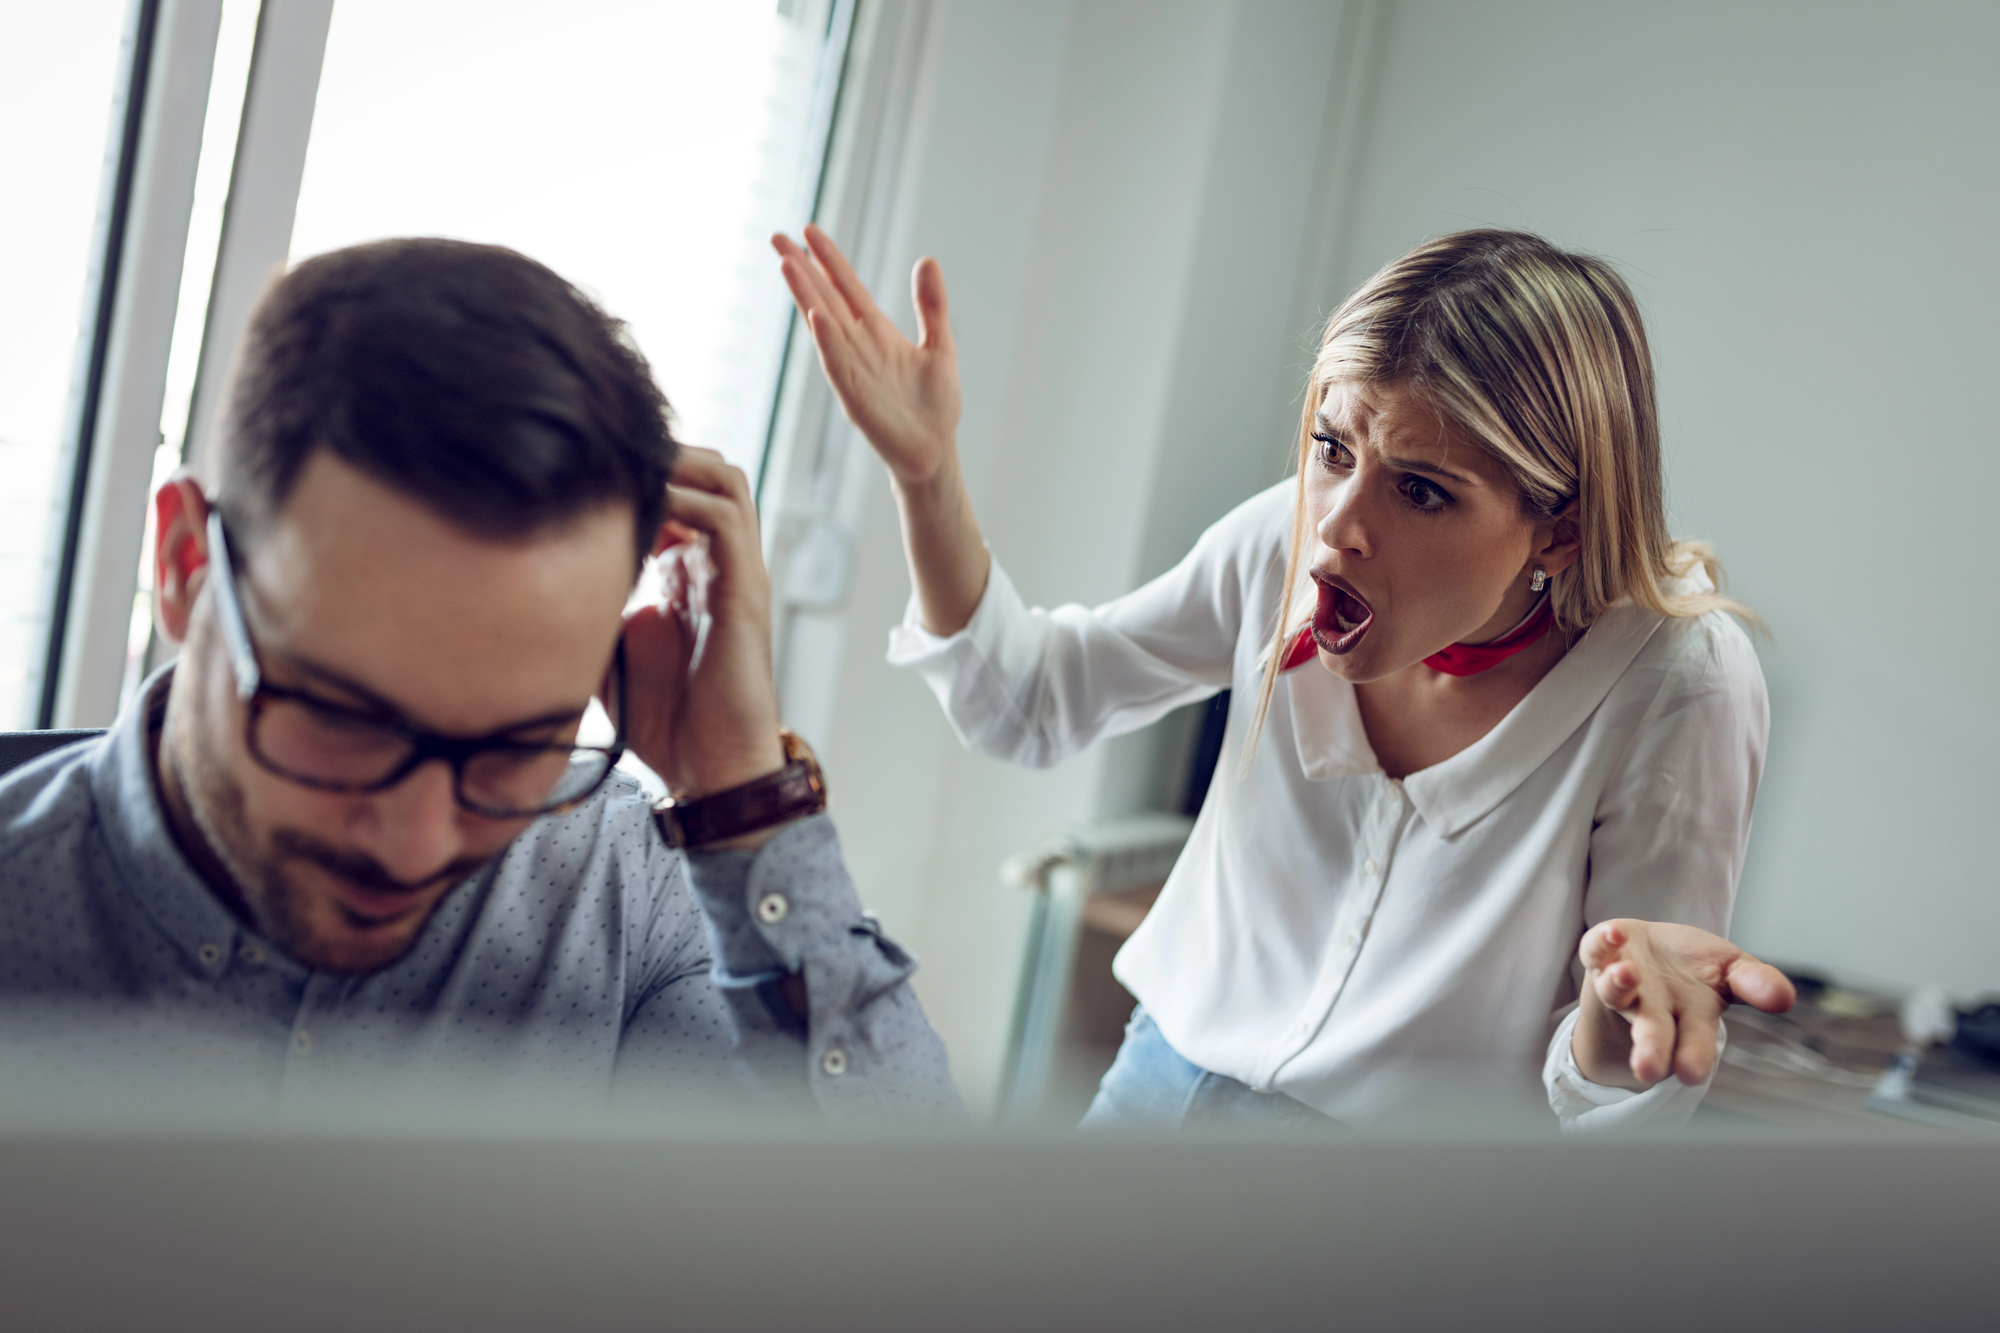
141 249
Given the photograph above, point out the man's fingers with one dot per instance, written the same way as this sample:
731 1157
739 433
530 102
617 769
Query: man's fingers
1754 982
845 280
933 315
707 470
671 534
721 517
657 646
1694 1048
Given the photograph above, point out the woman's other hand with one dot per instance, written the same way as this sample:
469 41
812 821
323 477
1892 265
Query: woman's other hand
903 396
1653 996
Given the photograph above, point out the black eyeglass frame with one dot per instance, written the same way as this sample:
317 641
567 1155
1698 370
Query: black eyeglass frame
254 690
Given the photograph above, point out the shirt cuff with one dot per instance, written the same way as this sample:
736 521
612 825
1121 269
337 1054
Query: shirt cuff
986 635
769 908
1583 1107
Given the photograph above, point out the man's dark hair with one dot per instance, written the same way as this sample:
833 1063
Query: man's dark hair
469 377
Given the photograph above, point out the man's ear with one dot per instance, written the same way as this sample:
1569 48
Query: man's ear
1558 540
180 552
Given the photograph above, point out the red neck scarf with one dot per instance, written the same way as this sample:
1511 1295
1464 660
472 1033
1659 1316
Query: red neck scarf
1460 659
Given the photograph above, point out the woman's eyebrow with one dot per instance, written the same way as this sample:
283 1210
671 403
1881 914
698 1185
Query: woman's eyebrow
1326 423
1418 465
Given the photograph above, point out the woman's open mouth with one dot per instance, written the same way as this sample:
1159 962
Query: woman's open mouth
1341 619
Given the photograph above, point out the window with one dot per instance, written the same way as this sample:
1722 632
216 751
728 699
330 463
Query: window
59 68
644 149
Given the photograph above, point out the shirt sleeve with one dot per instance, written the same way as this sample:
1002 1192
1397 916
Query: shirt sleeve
1671 832
1034 687
863 1052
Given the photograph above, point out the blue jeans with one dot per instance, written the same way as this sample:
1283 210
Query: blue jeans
1153 1086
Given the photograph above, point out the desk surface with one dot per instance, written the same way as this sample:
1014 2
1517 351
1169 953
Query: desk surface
1811 1069
978 1234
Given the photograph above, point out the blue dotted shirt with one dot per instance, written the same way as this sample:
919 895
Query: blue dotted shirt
588 962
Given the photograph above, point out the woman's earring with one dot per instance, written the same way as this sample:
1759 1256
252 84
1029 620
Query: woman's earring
1537 583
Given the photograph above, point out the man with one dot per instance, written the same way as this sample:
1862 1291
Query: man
351 841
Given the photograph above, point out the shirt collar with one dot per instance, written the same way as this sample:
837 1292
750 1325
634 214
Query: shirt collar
135 832
1454 794
1451 796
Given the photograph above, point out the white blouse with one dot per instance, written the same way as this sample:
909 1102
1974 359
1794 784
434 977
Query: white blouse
1375 948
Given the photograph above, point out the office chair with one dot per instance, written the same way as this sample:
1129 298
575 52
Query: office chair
18 747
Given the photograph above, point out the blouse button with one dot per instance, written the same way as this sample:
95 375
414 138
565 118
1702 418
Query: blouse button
771 908
1368 868
834 1062
210 954
251 952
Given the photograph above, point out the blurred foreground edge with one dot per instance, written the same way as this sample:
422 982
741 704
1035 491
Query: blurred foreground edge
984 1233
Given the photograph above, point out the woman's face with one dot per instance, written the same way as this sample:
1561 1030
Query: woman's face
1420 538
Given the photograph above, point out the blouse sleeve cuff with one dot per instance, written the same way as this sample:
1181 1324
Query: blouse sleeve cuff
986 635
1583 1107
985 675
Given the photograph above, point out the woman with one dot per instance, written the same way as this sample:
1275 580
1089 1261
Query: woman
1488 772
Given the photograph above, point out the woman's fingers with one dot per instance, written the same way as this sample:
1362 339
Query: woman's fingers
1601 944
845 280
933 315
816 300
1618 986
1754 982
1695 1048
1653 1042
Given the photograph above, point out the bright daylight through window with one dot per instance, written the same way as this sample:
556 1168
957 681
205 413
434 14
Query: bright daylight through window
644 149
59 65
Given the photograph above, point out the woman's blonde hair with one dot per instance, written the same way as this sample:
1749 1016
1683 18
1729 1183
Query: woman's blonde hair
1539 355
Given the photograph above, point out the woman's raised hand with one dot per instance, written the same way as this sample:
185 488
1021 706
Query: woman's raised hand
1653 994
903 396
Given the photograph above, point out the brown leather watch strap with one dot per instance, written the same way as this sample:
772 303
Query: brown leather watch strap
793 791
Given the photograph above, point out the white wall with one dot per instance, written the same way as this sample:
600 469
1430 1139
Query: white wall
1803 195
1119 194
1123 196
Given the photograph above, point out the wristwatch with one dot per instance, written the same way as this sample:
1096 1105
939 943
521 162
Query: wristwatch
793 791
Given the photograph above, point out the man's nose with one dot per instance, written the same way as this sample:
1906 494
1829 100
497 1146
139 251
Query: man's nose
413 829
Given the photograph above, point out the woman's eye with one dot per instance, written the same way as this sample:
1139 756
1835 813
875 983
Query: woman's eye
1425 495
1332 453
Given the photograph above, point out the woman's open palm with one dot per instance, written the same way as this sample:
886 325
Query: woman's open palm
903 396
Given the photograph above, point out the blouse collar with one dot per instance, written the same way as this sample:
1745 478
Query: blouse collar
1451 796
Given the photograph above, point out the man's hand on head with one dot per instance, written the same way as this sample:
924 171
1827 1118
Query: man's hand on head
1653 995
707 722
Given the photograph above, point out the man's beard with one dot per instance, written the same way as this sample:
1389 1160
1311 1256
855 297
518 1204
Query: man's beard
268 888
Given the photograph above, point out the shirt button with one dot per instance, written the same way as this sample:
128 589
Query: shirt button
771 909
834 1062
251 952
210 954
1347 940
1300 1028
302 1042
1369 867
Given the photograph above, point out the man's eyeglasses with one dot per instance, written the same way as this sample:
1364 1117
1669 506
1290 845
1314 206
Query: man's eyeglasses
323 745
